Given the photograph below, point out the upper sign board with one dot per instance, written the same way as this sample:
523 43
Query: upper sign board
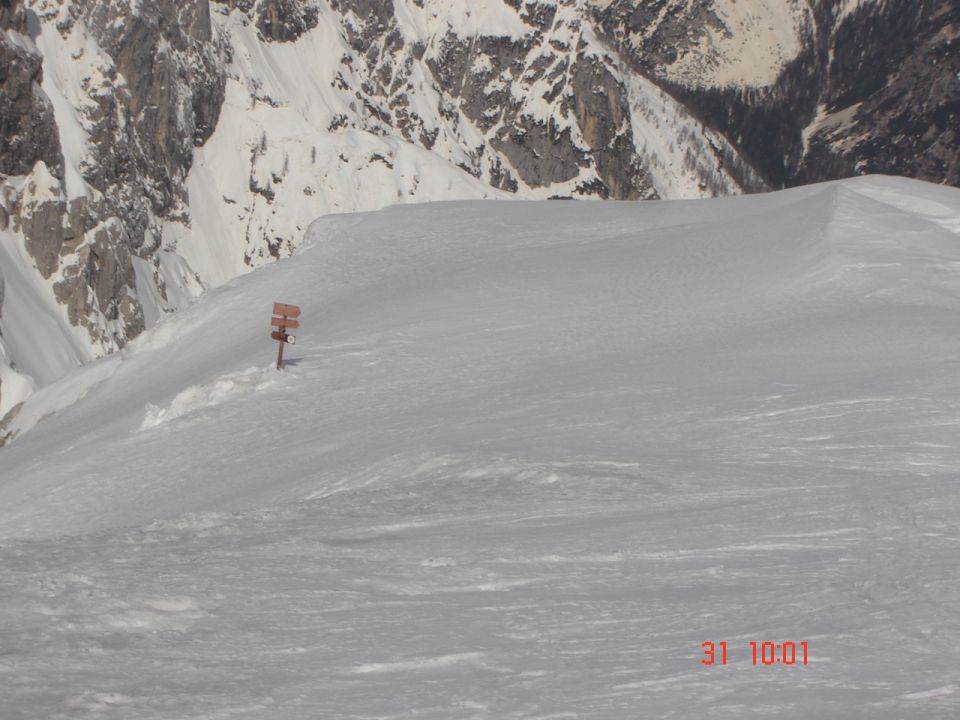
288 310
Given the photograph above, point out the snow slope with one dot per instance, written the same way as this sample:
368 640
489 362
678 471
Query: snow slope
525 459
356 113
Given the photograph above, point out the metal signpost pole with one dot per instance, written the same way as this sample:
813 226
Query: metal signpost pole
280 351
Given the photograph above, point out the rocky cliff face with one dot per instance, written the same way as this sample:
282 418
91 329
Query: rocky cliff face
142 134
149 148
849 87
96 147
527 100
427 99
27 124
891 98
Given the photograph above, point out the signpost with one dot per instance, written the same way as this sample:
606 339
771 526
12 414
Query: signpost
287 314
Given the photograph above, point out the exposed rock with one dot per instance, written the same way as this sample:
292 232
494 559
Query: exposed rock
194 18
143 132
278 20
540 153
98 286
871 89
538 14
484 74
377 14
28 131
600 105
898 74
5 435
11 15
501 178
97 282
285 20
655 33
152 88
40 213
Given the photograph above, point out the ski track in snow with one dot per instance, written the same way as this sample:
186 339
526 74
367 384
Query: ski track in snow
524 460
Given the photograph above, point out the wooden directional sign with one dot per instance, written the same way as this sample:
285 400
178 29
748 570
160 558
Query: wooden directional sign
287 310
285 322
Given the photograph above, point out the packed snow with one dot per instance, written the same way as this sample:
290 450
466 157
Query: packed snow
524 459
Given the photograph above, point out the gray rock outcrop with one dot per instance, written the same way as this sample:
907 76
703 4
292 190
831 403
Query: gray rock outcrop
150 97
144 130
278 20
28 130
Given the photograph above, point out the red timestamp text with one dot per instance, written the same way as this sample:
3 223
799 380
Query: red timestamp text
761 653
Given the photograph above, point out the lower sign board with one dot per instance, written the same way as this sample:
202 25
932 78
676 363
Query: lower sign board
285 322
289 339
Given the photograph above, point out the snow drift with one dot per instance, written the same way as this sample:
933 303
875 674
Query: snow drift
525 459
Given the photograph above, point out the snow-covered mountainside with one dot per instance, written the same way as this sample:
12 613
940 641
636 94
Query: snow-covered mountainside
525 458
808 90
155 148
151 149
714 43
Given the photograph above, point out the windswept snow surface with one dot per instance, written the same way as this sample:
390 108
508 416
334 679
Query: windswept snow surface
525 458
